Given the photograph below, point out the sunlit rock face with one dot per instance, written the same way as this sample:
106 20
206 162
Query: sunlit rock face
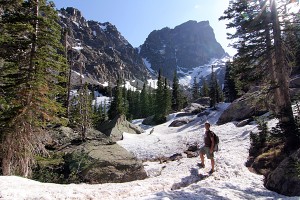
183 48
100 48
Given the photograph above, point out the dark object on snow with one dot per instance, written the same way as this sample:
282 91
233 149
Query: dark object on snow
243 122
192 151
179 122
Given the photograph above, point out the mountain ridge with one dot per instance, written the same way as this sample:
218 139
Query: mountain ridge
107 55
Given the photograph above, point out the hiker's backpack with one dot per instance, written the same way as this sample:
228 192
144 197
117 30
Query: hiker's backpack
216 139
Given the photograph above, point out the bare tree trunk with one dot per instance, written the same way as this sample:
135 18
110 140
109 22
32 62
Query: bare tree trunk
282 95
282 99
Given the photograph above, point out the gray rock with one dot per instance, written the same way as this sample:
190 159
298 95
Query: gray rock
184 114
249 105
106 53
285 178
204 101
61 137
115 128
243 123
194 108
179 122
95 160
193 42
203 113
149 121
111 163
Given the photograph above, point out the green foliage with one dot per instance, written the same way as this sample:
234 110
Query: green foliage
77 163
30 80
204 89
145 102
215 92
117 104
100 114
159 116
260 138
167 99
195 90
230 92
177 99
63 169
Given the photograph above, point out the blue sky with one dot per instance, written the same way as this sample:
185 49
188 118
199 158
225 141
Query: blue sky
135 19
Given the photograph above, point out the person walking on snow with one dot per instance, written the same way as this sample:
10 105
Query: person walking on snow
208 148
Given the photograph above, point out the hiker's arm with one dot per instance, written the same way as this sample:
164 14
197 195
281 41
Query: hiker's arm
212 144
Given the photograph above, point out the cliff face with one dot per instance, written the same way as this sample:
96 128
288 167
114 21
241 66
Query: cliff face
103 54
100 48
185 47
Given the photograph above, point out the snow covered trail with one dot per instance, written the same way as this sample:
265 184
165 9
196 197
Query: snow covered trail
172 180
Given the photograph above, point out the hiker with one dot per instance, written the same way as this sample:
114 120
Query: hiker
208 148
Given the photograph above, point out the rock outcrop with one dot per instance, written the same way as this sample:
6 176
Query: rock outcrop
285 178
114 128
244 107
96 160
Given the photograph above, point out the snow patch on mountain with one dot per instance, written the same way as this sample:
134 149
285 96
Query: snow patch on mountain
187 78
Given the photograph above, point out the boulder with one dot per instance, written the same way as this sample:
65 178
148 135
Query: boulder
192 150
115 128
243 122
203 113
60 137
194 108
285 178
249 105
95 160
110 163
184 114
179 122
204 101
149 121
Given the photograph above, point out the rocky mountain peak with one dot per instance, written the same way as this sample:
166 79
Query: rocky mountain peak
106 54
183 48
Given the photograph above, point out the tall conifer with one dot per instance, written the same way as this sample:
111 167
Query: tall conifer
30 42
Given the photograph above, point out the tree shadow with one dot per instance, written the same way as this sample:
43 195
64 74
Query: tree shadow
197 191
186 181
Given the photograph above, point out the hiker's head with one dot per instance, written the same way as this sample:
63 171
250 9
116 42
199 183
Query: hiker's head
207 125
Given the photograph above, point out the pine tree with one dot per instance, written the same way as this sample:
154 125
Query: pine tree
166 107
230 92
262 52
204 89
125 100
144 102
30 46
176 94
117 103
195 90
85 110
159 95
215 93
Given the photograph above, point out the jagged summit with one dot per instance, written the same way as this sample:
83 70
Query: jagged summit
106 53
185 47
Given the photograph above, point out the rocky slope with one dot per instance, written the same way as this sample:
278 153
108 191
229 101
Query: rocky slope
104 54
100 48
183 48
